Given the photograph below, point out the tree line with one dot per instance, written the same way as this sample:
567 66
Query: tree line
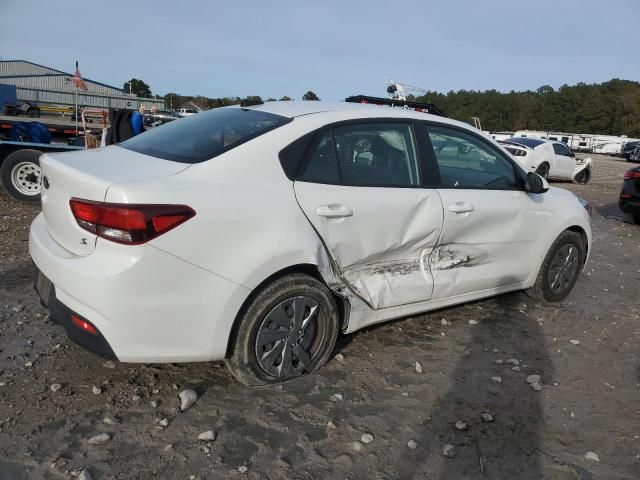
610 108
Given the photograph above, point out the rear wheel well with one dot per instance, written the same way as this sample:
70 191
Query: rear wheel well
306 268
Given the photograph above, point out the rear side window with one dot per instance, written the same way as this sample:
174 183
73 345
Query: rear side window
323 163
370 154
204 136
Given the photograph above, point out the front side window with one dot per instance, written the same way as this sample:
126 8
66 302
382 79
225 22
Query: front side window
370 154
561 150
465 161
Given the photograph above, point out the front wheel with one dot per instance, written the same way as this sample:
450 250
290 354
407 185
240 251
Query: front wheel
20 175
287 330
582 177
560 269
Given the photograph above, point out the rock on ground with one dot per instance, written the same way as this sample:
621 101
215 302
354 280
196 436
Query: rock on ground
207 436
187 398
99 439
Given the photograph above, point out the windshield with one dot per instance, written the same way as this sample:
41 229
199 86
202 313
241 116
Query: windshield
204 136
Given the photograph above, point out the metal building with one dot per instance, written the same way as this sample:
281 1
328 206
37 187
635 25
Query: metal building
48 86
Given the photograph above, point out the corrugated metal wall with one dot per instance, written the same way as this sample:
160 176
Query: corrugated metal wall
86 99
45 85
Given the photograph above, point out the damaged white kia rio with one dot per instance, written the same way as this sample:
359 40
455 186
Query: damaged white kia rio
257 235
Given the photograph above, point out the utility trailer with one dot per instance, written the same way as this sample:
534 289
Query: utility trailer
20 167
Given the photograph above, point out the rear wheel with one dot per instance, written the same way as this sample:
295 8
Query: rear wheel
543 170
632 218
560 269
20 175
287 330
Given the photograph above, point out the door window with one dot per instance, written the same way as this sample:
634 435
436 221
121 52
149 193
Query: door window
323 164
370 154
561 150
465 161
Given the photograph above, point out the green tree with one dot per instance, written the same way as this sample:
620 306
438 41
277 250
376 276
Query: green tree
137 87
310 96
285 99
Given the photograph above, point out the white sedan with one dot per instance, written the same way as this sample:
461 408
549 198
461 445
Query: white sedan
257 235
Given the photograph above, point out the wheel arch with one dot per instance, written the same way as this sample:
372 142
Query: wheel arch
305 268
585 240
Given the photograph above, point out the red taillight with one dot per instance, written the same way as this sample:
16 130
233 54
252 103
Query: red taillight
632 175
83 325
128 223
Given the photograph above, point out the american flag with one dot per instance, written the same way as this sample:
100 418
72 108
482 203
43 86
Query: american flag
78 81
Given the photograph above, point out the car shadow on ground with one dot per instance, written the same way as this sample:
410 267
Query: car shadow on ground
507 343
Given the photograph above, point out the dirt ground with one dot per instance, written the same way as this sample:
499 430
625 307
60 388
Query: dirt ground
588 401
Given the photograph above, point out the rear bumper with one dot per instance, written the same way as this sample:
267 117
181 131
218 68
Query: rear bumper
629 197
148 305
61 315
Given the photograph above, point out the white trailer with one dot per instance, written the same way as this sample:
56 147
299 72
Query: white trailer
606 144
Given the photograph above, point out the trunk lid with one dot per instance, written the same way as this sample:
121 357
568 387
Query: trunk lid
88 175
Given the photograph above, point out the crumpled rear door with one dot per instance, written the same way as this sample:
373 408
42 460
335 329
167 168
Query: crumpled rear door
380 238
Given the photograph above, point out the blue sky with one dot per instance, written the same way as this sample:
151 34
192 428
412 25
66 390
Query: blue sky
335 48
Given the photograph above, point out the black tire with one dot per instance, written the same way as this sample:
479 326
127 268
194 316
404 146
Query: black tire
543 170
632 218
22 187
583 177
255 319
543 289
34 112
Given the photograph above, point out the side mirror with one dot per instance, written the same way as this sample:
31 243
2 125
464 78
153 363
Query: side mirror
535 183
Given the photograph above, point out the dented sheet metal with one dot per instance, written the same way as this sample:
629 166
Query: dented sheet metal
488 247
458 255
381 253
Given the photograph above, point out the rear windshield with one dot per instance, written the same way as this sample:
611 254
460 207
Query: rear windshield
528 142
203 136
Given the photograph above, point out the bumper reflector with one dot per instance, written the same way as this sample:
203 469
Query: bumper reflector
83 325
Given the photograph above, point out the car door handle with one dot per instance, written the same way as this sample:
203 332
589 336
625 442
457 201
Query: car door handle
461 207
334 210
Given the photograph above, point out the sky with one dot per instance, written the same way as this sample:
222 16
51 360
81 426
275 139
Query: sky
335 48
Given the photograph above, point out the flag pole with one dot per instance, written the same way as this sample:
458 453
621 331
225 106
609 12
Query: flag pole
76 92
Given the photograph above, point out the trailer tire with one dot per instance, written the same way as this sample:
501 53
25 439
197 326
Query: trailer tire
34 112
20 175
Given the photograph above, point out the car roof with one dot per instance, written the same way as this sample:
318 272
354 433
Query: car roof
336 111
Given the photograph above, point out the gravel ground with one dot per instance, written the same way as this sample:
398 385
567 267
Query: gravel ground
585 351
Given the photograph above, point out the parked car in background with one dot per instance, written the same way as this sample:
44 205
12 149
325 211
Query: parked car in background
186 112
257 235
549 159
630 196
630 151
153 119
